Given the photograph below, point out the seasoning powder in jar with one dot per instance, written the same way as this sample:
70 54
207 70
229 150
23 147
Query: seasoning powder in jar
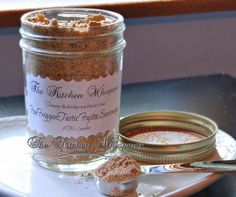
72 62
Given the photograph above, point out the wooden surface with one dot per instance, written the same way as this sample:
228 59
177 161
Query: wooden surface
11 10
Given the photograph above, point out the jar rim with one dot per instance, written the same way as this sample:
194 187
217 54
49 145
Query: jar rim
28 31
118 21
75 11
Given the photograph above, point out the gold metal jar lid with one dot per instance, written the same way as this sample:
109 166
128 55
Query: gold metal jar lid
148 152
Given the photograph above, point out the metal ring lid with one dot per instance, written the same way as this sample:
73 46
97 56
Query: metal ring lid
167 121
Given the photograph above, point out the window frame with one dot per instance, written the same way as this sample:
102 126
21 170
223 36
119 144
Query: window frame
131 8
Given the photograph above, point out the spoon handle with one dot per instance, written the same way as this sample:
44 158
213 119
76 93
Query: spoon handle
224 166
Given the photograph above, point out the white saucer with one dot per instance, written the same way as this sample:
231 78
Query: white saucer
19 176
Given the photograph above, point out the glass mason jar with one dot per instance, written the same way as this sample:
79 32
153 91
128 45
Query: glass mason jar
72 61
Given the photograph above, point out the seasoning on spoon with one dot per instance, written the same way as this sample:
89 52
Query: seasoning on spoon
118 168
111 178
117 176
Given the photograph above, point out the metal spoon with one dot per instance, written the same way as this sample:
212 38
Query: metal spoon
123 188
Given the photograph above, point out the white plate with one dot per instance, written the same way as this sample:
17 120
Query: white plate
19 176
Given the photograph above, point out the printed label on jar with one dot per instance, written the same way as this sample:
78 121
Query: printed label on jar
73 108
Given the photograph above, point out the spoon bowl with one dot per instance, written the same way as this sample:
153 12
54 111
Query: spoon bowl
125 187
116 188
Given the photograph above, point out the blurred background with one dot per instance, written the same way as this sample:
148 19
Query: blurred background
158 47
